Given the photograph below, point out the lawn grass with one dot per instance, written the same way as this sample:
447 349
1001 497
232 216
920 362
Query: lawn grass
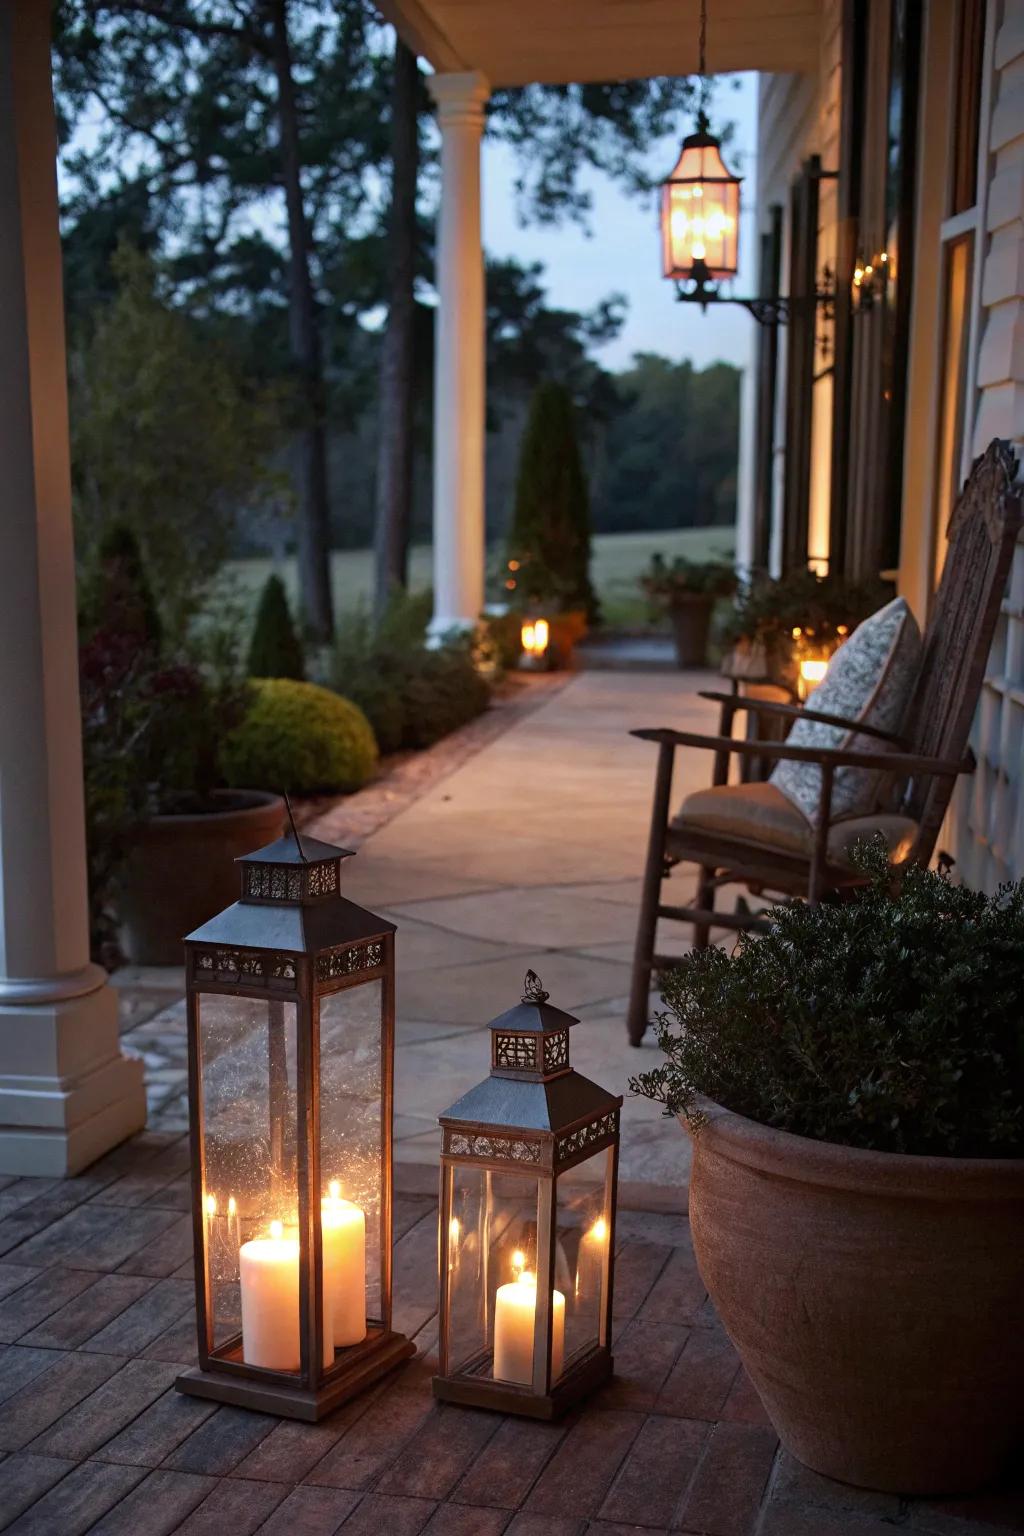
618 560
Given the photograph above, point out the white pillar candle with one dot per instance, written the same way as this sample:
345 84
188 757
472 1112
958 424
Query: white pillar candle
515 1316
343 1236
269 1281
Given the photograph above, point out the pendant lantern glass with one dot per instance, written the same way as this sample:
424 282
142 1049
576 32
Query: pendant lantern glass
700 214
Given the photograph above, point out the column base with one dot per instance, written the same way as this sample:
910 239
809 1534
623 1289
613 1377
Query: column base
67 1095
441 630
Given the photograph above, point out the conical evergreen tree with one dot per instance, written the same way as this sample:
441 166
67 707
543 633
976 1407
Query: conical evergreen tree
116 594
550 535
275 649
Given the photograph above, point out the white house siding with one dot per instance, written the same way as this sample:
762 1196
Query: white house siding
985 831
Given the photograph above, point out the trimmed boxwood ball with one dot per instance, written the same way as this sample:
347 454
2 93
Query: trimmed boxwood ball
299 738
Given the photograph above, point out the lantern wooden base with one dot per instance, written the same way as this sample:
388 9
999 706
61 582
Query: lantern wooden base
265 1392
472 1389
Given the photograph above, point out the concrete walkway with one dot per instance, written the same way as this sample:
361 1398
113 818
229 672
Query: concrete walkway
528 856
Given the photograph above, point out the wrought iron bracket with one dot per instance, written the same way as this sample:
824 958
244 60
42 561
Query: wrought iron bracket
700 289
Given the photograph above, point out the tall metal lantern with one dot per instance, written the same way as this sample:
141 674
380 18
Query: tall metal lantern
291 1048
527 1225
700 214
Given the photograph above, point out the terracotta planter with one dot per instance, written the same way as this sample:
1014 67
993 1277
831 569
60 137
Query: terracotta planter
690 615
182 871
567 630
873 1298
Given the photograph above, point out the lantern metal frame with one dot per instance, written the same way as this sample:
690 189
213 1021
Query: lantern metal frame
538 1117
292 938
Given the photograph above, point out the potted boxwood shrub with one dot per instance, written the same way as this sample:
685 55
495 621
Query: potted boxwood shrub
853 1083
687 591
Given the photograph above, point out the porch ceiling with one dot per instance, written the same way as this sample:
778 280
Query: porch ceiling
517 42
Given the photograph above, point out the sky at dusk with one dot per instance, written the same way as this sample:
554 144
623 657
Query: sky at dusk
623 252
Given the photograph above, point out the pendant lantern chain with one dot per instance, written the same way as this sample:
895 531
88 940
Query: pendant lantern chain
702 44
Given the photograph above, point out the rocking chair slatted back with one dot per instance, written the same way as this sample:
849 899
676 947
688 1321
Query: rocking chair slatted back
983 529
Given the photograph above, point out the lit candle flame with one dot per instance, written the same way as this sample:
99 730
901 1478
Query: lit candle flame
519 1263
232 1206
276 1231
454 1229
334 1189
211 1205
599 1231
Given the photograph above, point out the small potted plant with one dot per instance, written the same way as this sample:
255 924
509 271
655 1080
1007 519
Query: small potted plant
776 623
853 1084
687 591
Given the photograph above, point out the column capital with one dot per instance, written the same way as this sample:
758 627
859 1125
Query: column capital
460 98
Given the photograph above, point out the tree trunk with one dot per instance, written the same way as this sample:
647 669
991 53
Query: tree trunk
396 394
314 513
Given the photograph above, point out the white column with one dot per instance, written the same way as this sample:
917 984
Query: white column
459 359
66 1093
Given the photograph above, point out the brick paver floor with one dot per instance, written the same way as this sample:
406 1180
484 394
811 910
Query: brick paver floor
96 1320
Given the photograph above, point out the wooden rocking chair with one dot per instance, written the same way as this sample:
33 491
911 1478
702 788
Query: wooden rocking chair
796 859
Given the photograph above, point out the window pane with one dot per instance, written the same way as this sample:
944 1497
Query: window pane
351 1159
953 363
250 1196
967 105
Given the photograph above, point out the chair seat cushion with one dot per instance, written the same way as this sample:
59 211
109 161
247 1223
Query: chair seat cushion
761 814
869 680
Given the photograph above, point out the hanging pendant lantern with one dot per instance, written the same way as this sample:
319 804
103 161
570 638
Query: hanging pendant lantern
700 203
700 214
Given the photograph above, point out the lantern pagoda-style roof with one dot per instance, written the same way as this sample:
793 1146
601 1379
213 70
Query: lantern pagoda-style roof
290 904
532 1089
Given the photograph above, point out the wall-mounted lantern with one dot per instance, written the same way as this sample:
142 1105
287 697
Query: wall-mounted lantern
291 1048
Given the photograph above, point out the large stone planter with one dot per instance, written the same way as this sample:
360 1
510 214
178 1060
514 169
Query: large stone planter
690 616
874 1299
182 871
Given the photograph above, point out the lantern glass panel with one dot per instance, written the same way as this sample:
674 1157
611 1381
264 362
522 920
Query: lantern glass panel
492 1258
583 1233
248 1064
351 1158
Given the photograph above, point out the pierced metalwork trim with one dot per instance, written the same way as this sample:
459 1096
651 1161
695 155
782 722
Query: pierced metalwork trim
518 1052
347 959
322 879
252 966
289 882
586 1136
514 1149
556 1051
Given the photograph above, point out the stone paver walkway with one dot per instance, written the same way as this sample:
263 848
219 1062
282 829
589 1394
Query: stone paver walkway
97 1320
525 855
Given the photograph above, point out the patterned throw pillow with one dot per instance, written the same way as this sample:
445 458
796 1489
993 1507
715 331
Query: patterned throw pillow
870 679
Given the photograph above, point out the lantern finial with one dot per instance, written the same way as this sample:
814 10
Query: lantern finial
291 823
533 992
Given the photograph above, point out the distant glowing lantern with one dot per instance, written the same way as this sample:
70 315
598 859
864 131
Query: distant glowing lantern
812 672
700 214
534 638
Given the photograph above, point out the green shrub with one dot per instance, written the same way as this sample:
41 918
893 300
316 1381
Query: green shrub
275 649
665 584
891 1021
550 533
411 696
299 738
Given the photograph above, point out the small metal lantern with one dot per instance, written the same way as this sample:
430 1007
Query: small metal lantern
527 1224
291 1051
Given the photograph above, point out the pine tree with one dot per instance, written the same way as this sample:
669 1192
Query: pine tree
116 594
275 650
550 536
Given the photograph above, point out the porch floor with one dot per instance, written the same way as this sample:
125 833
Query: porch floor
96 1319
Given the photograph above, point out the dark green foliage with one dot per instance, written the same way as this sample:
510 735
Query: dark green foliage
275 649
411 696
768 611
670 450
116 594
300 739
550 534
665 584
892 1021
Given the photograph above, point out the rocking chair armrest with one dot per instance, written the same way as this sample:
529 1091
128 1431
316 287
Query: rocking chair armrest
833 757
798 712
